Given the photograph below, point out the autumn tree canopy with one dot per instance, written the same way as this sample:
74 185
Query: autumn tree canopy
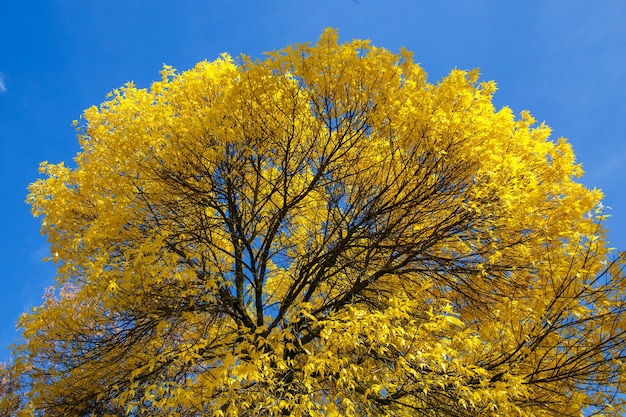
321 233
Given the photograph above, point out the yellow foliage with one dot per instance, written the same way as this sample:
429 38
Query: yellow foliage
321 233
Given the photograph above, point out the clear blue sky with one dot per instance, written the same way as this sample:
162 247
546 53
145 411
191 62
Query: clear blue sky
564 60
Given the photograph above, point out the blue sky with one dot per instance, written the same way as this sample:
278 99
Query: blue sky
564 60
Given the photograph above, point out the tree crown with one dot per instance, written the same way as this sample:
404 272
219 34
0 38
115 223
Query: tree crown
322 232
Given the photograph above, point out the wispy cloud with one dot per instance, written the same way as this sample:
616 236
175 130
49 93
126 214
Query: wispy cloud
3 86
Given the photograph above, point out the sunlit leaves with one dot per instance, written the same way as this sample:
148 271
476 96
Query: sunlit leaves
322 232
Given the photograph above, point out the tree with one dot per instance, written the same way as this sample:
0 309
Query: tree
322 232
10 392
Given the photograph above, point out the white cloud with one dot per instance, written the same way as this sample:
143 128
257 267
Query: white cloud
3 86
